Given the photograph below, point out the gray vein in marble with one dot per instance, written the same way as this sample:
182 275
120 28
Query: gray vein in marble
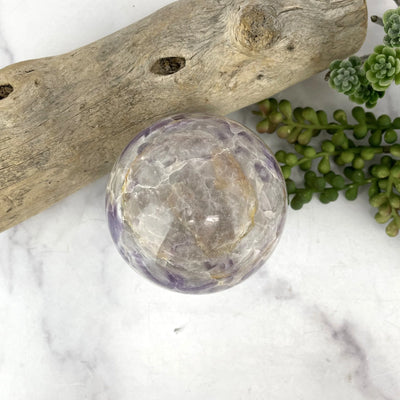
37 269
60 355
21 244
7 268
179 329
346 339
6 55
88 375
343 336
281 289
111 296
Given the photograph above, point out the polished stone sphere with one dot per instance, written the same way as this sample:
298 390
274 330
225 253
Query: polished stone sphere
196 203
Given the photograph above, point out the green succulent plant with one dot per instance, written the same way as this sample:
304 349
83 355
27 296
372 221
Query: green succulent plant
346 75
366 94
343 162
365 153
391 24
383 67
366 79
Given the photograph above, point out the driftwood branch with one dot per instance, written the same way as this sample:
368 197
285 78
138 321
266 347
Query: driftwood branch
65 119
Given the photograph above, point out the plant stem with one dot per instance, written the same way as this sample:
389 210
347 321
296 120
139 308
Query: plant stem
294 124
377 20
319 127
347 186
327 75
355 150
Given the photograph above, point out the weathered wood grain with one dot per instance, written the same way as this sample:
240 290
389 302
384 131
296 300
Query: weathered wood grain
65 119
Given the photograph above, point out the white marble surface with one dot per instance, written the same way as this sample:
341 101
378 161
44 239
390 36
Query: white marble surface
320 321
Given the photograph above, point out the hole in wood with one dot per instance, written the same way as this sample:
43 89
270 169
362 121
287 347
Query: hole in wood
5 90
168 65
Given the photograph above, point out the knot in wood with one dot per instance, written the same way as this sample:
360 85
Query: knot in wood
168 65
258 27
5 90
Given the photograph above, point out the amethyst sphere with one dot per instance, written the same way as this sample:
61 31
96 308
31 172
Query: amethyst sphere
196 203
